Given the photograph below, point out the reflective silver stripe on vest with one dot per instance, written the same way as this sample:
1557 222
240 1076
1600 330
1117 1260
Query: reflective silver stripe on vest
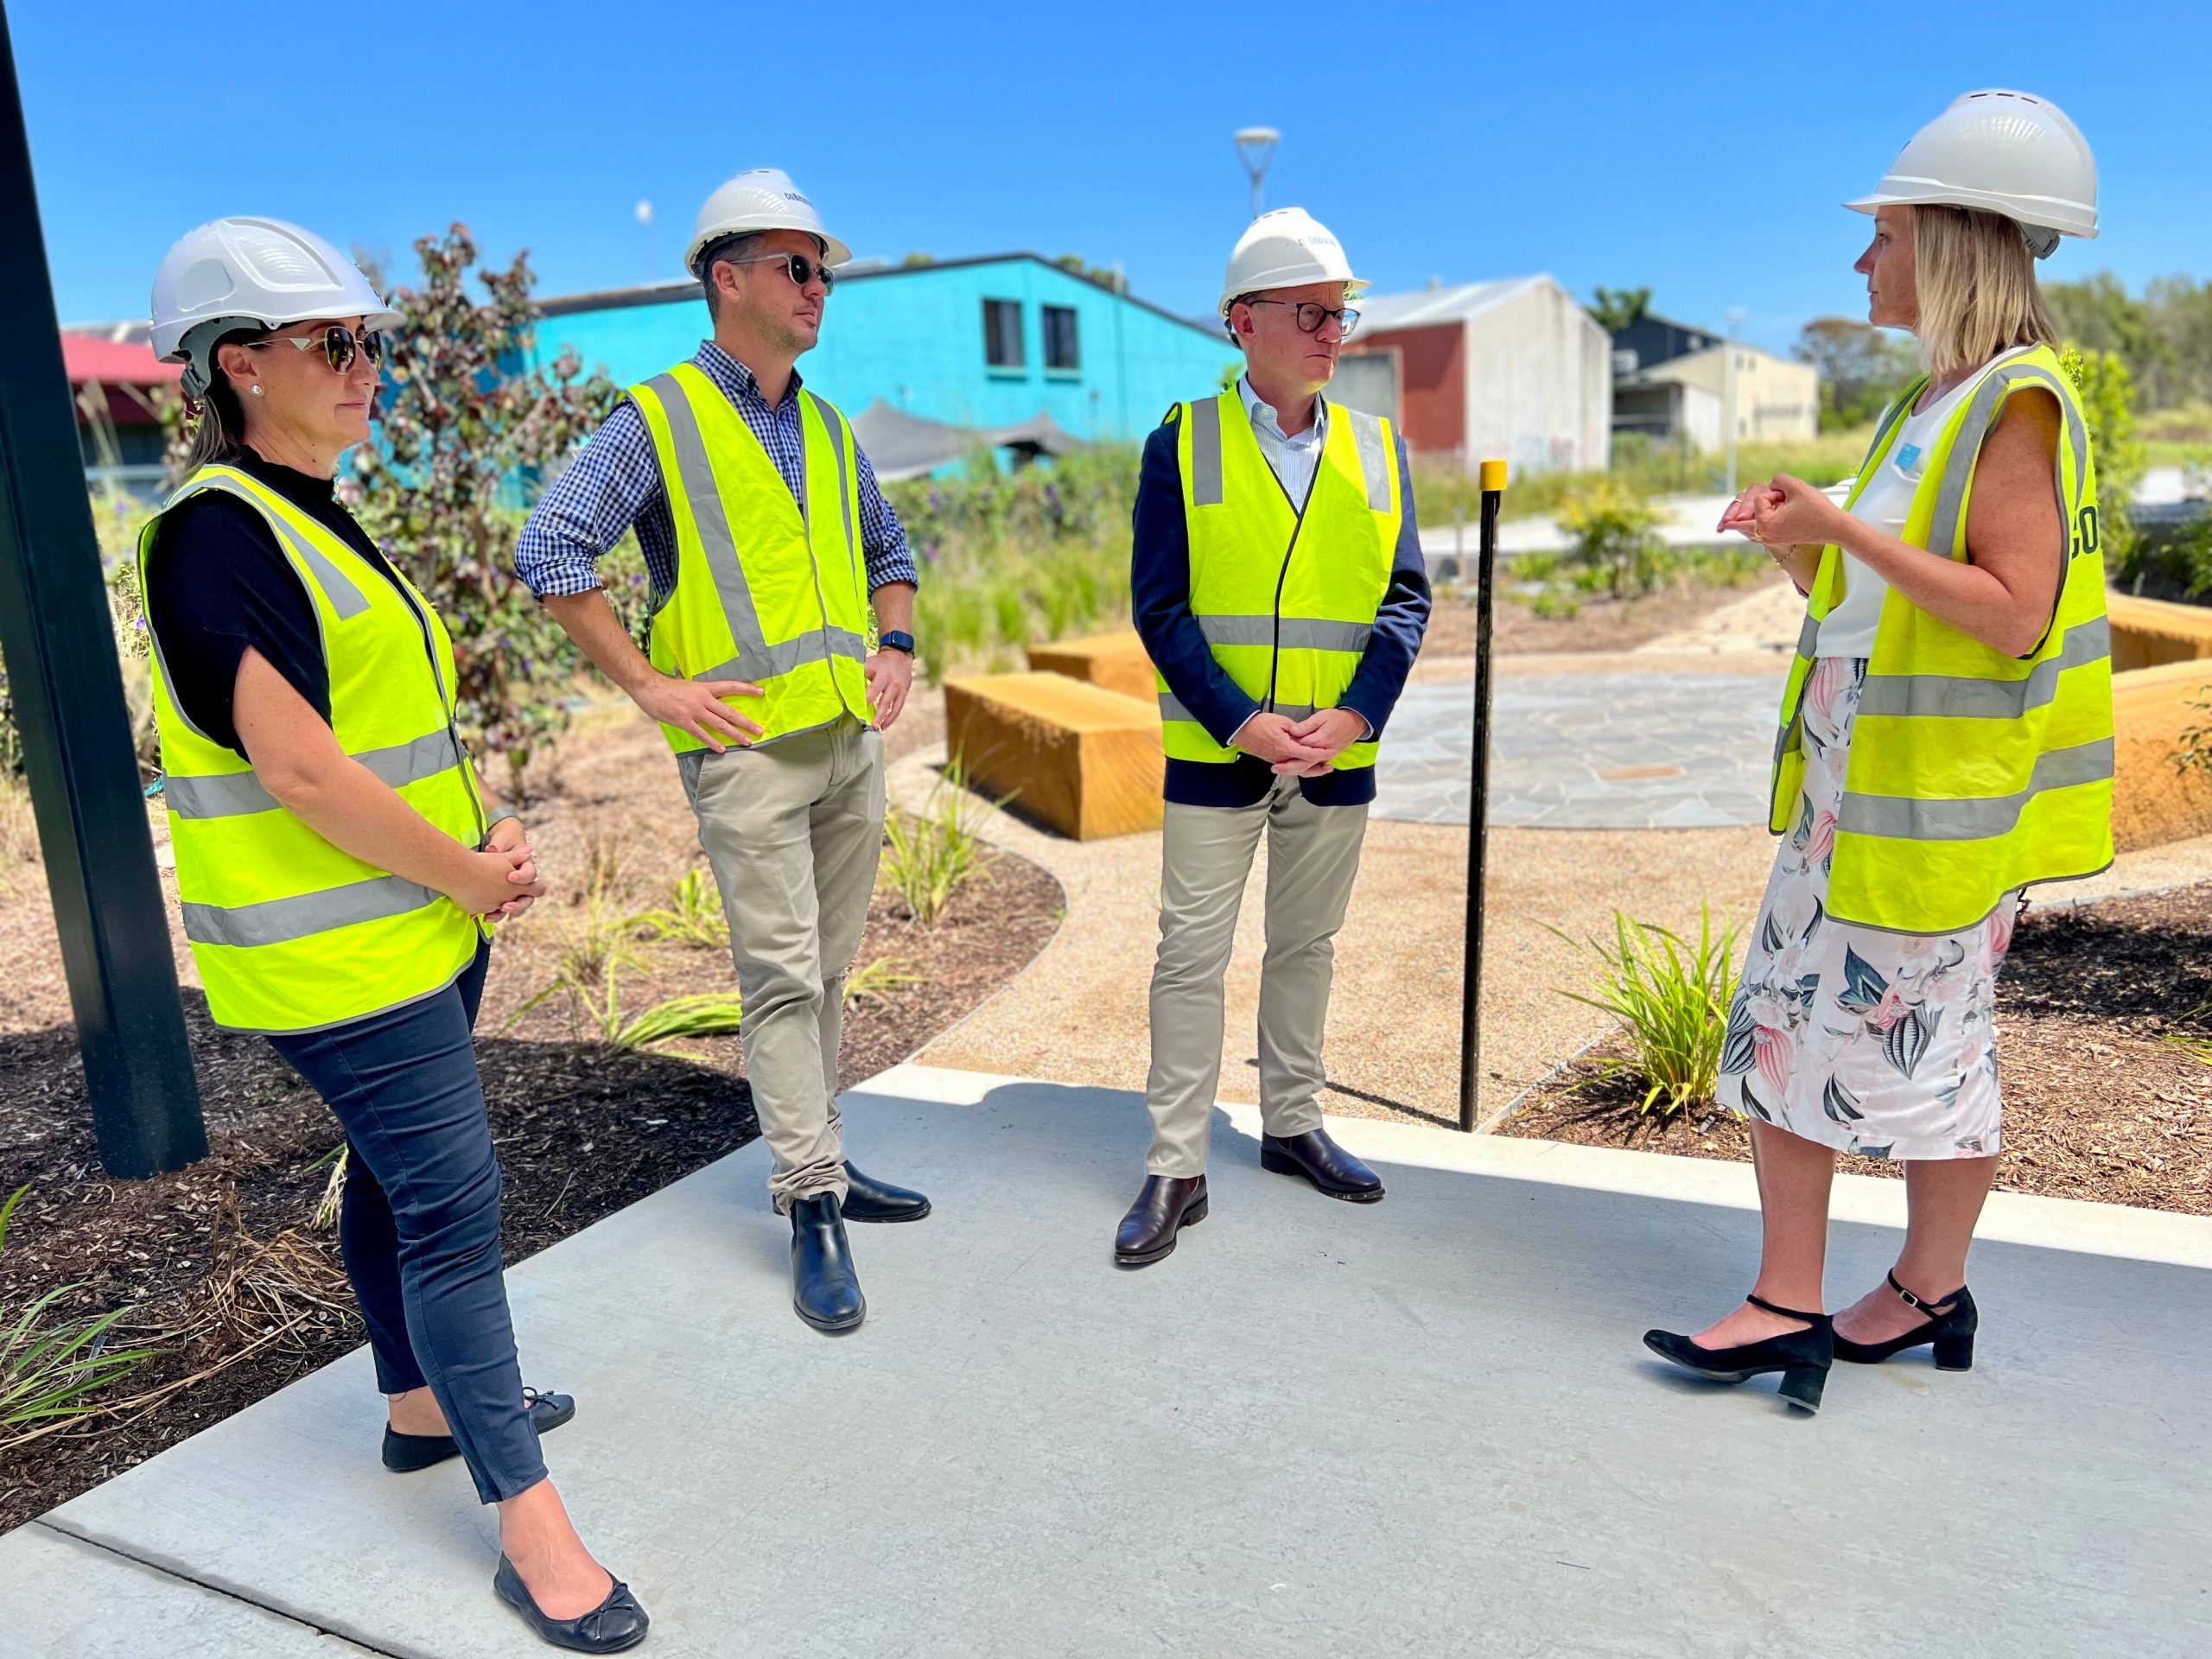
1172 708
765 662
233 795
1205 453
279 921
1809 637
696 472
1958 697
1374 457
346 599
1973 818
1951 498
835 423
1292 632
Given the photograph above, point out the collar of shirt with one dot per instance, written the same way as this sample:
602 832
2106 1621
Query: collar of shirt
1292 458
736 380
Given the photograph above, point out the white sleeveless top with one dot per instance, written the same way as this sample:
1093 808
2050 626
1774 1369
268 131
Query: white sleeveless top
1849 630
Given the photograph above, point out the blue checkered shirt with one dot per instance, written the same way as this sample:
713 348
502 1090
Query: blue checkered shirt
614 483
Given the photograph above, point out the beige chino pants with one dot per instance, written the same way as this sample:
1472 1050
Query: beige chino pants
792 830
1205 860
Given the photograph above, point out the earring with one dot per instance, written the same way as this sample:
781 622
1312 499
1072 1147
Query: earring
256 389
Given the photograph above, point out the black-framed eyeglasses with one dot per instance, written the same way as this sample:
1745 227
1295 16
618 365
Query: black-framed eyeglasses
339 344
1311 314
800 269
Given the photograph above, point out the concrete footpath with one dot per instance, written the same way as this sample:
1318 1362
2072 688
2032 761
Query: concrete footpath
1318 1429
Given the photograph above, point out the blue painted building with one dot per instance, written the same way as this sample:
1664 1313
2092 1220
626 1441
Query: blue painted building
987 343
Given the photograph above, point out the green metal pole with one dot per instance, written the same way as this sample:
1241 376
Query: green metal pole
59 645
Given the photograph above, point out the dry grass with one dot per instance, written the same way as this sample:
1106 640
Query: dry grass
18 833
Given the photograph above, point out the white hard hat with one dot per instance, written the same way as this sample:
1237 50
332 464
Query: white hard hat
763 200
1285 249
2006 153
252 273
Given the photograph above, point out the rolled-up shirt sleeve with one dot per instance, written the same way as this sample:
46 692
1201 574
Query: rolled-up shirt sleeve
883 538
598 496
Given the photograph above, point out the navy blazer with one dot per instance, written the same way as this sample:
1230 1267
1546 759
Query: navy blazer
1160 590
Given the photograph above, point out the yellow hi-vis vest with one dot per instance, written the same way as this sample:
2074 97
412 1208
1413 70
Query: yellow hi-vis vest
1971 773
767 589
1287 599
289 933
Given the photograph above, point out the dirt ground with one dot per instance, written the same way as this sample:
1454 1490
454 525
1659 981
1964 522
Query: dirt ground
1601 624
2098 1104
219 1263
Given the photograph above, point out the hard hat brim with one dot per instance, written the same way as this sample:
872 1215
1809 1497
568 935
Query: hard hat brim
2065 218
834 252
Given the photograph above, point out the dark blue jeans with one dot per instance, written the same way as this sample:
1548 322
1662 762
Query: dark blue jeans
420 1228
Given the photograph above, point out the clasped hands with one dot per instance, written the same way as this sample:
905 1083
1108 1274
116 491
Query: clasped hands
1302 749
1783 512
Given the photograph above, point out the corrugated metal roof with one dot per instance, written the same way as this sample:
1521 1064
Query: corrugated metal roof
112 362
1426 306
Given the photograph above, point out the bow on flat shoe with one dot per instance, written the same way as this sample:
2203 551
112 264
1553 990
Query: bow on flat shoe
405 1454
617 1623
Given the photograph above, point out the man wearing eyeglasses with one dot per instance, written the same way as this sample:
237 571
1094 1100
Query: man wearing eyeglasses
767 540
1278 584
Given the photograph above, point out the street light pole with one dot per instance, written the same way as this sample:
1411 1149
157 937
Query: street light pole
1255 148
1735 331
60 646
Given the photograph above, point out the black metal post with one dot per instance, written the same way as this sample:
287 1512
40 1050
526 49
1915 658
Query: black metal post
59 649
1470 993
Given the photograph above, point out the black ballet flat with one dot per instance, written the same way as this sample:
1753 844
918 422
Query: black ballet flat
405 1454
1950 1326
617 1623
1802 1356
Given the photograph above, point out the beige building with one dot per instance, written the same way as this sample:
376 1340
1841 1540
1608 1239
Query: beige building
1671 381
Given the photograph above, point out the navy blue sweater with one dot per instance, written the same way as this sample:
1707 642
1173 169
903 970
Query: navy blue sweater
1159 587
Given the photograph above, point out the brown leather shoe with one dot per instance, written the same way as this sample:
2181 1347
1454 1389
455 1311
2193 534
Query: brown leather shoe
1164 1208
1322 1161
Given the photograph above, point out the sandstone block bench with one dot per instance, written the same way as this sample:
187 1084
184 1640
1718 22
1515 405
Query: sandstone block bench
1074 756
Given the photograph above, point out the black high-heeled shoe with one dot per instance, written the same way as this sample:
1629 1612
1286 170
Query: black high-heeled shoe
617 1623
1802 1356
1951 1324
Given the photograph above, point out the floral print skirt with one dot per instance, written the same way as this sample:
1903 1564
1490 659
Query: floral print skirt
1872 1042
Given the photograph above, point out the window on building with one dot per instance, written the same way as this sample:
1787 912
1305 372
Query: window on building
1061 349
1003 334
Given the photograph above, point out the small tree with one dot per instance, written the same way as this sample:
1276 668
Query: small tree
1860 368
466 431
1614 547
1614 308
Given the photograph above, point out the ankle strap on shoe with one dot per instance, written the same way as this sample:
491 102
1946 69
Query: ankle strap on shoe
1935 1309
1785 1312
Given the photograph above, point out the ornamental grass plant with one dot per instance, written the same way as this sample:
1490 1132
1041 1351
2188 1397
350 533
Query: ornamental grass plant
1672 998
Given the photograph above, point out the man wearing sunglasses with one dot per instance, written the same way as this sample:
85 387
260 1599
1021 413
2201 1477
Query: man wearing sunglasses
1278 583
766 539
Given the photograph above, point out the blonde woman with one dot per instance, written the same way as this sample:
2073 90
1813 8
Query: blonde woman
1947 741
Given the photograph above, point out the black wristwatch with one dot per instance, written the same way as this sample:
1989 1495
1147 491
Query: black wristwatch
892 639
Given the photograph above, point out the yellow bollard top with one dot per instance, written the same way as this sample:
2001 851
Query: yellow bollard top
1493 475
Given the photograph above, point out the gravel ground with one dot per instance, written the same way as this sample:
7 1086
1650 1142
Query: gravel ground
1078 1014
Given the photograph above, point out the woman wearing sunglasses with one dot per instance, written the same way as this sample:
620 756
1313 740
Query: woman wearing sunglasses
339 865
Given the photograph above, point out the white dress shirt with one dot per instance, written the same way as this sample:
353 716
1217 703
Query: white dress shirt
1294 460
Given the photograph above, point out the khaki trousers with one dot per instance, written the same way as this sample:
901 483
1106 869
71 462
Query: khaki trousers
792 830
1206 859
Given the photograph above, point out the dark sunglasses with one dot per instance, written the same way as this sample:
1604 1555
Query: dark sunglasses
800 269
339 344
1310 315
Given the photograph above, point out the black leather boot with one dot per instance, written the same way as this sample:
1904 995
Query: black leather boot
825 1291
867 1200
1165 1206
1323 1162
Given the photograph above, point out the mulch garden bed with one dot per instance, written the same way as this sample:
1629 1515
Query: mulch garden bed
221 1264
1600 623
2097 1104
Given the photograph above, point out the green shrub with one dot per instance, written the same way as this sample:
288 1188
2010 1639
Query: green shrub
1614 547
928 855
50 1367
1673 1000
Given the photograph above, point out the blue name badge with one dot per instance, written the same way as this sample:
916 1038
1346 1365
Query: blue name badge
1908 457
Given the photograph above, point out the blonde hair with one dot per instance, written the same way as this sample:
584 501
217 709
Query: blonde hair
1977 284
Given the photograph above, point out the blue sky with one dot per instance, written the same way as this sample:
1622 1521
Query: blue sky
1700 150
